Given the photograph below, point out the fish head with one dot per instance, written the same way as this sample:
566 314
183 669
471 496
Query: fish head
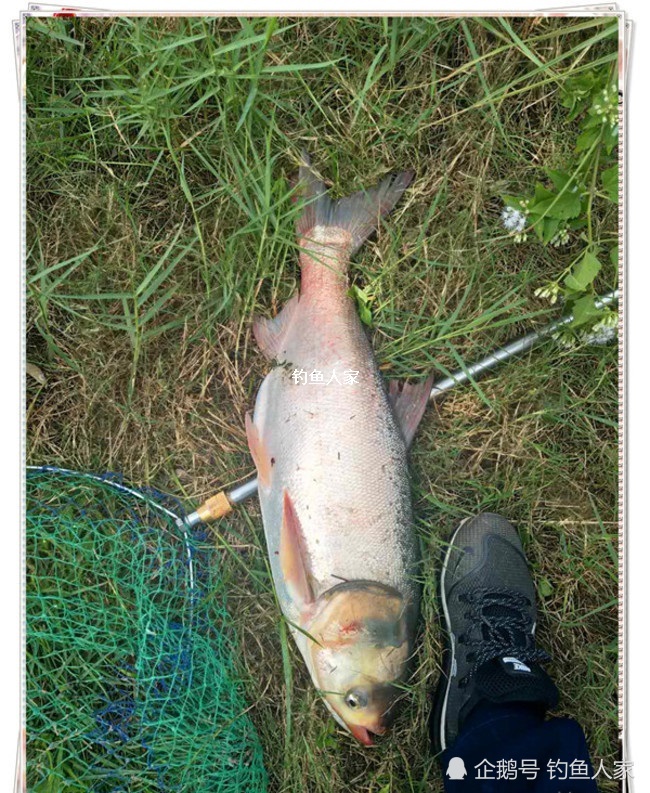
359 654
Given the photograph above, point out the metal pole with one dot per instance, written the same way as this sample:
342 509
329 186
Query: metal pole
243 491
223 502
515 347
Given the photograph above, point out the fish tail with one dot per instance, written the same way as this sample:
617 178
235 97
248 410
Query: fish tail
358 214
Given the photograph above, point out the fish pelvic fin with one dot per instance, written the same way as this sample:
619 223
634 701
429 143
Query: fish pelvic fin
359 214
409 401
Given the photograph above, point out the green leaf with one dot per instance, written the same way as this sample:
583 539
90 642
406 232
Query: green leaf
568 205
542 193
559 178
613 255
365 314
562 207
545 588
576 223
583 272
593 121
610 138
548 229
576 93
587 139
363 301
584 309
609 179
513 201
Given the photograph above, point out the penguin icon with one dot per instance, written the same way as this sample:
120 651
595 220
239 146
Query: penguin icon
456 768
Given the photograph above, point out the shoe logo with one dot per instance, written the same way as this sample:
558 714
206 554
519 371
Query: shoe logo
456 768
517 665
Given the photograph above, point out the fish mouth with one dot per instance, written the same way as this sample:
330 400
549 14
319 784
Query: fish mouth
364 734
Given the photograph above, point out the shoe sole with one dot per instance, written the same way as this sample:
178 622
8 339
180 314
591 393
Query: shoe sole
449 654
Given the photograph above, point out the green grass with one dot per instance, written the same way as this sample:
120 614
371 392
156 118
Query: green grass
160 153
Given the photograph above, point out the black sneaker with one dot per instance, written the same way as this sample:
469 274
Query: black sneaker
488 600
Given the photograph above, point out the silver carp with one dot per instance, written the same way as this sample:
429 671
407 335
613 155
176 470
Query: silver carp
329 440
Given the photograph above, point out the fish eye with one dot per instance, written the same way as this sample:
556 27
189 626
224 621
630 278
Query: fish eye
356 699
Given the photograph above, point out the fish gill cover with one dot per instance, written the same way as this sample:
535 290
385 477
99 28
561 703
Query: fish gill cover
131 684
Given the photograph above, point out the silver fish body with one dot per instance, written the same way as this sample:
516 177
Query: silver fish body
334 485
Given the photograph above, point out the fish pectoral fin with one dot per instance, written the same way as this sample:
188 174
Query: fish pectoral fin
293 557
261 457
409 401
270 334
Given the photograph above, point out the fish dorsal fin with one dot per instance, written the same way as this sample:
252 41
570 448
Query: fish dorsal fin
270 334
293 557
409 401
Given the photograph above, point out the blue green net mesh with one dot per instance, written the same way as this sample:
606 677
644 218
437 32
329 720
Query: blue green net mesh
131 677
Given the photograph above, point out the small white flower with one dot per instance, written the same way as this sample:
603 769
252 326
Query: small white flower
561 238
600 334
610 320
513 219
550 291
608 108
565 338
